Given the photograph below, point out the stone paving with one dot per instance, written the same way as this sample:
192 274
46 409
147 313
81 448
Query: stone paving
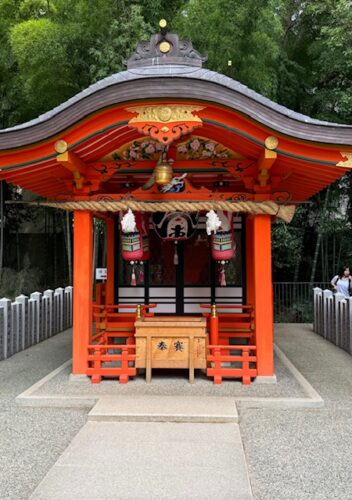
291 453
32 439
304 454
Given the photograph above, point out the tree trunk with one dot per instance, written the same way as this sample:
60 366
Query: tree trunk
18 256
318 243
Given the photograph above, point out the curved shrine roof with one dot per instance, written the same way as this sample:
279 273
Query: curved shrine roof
167 72
175 81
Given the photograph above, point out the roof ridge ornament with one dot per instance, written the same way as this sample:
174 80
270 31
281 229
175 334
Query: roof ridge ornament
165 48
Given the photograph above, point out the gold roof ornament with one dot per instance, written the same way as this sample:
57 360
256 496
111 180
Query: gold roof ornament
61 146
164 47
271 142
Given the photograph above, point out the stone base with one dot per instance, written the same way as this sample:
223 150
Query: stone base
270 379
78 378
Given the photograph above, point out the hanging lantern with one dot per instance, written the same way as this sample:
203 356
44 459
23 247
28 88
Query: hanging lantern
223 241
176 226
131 241
135 243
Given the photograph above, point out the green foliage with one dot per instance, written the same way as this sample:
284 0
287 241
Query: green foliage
120 42
245 32
296 52
318 41
41 55
288 255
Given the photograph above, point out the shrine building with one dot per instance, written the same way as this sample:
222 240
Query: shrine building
187 169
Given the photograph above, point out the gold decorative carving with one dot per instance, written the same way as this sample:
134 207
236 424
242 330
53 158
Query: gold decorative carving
347 163
160 113
152 120
271 142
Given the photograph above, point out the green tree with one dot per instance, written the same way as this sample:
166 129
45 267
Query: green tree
318 44
41 55
245 32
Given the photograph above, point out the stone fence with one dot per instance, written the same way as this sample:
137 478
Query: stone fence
333 318
29 320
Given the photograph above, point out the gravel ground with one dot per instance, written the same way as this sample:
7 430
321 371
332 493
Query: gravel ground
304 454
32 439
173 383
291 454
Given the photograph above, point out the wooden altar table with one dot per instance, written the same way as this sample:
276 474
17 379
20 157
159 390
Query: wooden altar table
171 342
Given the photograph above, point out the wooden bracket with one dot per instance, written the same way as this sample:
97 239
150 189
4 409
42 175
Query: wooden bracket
265 162
75 165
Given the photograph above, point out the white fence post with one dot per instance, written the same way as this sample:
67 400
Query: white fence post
326 312
45 316
50 304
333 317
68 306
59 295
349 326
316 310
5 305
337 334
22 300
36 297
27 321
2 333
15 327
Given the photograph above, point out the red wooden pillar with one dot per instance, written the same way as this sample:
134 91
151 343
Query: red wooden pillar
263 294
82 289
249 261
110 261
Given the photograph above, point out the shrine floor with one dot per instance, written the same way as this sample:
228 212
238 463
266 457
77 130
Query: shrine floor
289 452
60 389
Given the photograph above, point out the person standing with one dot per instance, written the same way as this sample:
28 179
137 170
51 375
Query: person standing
341 283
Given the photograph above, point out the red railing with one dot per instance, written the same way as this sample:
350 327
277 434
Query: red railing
220 354
98 356
112 324
224 326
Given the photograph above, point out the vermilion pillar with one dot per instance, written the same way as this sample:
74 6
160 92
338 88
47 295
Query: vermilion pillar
249 261
82 289
110 260
263 294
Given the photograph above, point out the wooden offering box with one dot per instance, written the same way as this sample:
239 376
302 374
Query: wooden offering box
171 342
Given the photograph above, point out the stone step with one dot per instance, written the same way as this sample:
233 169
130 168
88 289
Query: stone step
165 409
150 460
